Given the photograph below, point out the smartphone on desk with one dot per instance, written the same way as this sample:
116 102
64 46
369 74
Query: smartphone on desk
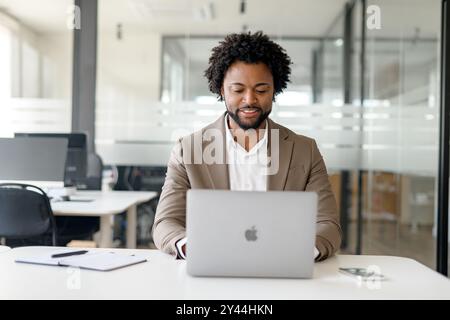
362 273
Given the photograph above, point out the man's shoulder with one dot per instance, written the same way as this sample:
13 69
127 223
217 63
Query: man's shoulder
214 128
291 135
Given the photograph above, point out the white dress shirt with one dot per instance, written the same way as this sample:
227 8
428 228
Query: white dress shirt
247 170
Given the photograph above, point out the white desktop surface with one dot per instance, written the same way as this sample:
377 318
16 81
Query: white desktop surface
4 249
105 205
162 277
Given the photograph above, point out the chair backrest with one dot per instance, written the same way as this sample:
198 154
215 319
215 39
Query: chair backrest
94 178
95 172
25 212
95 165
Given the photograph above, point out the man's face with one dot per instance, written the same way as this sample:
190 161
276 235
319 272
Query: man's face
248 91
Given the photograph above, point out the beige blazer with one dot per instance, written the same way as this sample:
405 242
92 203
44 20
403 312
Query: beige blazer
300 168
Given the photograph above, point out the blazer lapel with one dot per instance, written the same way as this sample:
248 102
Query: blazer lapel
218 172
280 159
276 180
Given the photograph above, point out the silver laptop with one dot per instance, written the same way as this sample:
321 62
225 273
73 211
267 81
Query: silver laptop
251 234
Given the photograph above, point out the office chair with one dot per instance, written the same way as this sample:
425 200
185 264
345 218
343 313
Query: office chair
25 215
133 178
83 228
95 172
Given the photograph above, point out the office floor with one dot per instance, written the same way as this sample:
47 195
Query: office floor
391 238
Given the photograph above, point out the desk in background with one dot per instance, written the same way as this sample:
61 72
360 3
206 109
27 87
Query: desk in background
163 277
105 205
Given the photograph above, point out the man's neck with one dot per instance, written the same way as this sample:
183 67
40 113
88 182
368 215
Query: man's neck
246 138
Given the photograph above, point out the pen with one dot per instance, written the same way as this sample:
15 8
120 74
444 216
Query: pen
66 254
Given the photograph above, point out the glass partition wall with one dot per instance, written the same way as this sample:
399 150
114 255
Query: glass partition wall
376 123
400 131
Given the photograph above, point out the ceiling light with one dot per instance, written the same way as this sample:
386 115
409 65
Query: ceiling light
243 6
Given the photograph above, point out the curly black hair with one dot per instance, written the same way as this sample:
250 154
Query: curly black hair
249 48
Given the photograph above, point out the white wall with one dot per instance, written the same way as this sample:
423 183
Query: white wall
129 68
41 63
56 77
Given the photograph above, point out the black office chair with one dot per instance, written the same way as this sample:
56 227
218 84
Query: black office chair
26 217
141 178
83 228
95 172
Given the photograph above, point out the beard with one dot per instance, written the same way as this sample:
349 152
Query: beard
249 123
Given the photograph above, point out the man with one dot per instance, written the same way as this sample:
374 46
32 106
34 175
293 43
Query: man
246 71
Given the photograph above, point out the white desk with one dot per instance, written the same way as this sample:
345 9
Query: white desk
4 249
162 277
105 205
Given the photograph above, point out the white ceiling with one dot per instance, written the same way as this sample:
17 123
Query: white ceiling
280 17
42 16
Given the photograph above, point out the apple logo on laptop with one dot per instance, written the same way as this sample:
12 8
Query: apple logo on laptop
250 234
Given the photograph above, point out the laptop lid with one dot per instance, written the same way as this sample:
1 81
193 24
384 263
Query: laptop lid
251 234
